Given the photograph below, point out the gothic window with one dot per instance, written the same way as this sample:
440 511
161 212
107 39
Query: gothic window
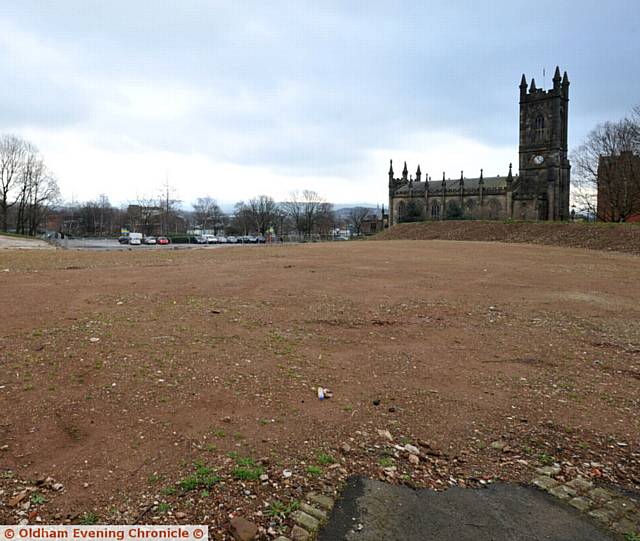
539 128
435 211
402 210
494 209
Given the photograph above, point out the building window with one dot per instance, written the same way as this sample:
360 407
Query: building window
402 210
539 128
435 211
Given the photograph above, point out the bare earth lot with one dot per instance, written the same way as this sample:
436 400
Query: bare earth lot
157 386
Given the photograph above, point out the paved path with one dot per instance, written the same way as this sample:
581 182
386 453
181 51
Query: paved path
375 511
18 243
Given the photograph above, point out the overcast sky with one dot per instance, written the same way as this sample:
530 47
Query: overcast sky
236 98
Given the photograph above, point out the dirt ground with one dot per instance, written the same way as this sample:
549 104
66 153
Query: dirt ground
160 386
612 237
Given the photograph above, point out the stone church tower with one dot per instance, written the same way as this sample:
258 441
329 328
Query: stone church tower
539 191
544 164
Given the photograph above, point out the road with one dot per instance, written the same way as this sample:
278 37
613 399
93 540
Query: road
374 511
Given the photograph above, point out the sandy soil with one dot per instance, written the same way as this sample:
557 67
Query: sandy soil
157 386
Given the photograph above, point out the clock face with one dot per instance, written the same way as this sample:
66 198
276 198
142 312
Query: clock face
538 160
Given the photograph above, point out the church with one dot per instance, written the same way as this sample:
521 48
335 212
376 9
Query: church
539 191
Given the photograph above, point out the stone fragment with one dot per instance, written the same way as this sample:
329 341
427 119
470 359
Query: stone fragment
624 526
581 504
603 515
180 515
15 501
498 444
551 471
580 484
562 492
299 534
282 538
619 506
313 511
322 500
414 459
385 434
346 448
545 483
600 495
306 521
243 530
412 449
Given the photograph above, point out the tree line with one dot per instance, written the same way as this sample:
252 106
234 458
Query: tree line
303 214
27 187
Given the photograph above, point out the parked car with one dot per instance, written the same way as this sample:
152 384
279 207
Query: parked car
163 240
135 239
150 240
124 239
232 240
261 240
211 239
222 240
250 239
200 240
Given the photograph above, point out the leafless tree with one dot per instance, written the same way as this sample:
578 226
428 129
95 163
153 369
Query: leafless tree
207 213
356 217
12 155
37 191
263 211
607 170
308 211
167 202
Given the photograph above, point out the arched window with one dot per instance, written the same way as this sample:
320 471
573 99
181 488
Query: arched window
539 128
402 210
435 211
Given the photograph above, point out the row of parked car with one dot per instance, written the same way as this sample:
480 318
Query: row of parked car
217 239
138 238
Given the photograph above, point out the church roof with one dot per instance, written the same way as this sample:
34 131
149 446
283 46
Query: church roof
470 184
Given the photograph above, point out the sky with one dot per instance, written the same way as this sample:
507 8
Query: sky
233 99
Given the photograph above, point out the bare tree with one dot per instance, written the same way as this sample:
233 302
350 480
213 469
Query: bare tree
167 202
356 217
607 170
308 211
207 213
263 211
12 155
37 191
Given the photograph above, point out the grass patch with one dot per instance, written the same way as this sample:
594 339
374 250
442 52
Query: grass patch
247 474
163 507
385 461
203 477
89 519
37 499
279 509
314 470
545 459
325 459
168 491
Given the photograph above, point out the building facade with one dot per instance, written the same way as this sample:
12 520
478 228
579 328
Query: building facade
540 190
619 188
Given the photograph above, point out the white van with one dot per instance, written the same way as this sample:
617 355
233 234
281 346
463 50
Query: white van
135 238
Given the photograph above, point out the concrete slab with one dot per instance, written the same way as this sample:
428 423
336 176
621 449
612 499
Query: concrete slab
374 511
